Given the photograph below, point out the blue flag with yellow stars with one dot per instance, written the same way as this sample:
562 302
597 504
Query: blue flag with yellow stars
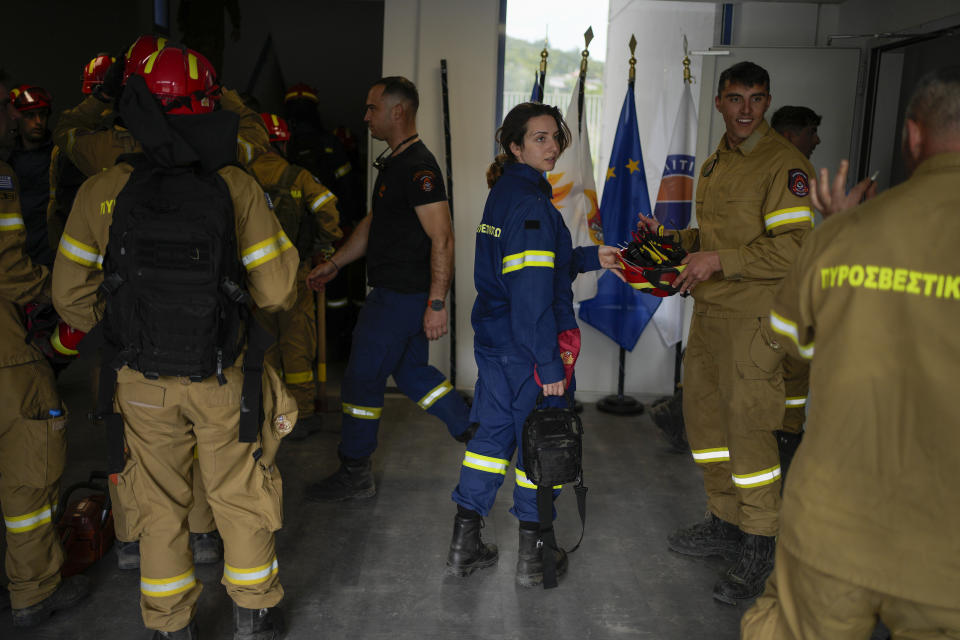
617 310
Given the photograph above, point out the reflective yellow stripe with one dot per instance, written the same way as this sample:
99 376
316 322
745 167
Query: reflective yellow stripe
758 479
256 575
265 251
298 377
30 521
167 586
342 171
435 394
273 118
321 200
792 215
485 463
11 222
796 401
528 258
79 252
788 328
151 59
192 66
322 372
336 304
524 482
300 94
718 454
60 348
364 413
247 149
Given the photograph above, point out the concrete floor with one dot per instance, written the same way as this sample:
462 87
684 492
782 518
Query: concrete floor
374 569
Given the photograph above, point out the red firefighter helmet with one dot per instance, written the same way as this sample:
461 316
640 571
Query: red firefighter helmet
140 50
95 71
301 91
183 80
651 263
276 126
28 97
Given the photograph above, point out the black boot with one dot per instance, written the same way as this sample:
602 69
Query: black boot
69 592
257 624
354 479
745 579
787 443
189 632
530 559
128 555
468 433
712 537
667 414
207 547
467 551
305 428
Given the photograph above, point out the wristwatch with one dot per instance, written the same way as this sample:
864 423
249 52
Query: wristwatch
437 304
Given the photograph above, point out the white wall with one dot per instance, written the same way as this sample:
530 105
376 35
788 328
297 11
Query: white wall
417 34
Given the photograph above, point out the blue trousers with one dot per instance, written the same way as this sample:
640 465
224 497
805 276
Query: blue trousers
505 395
389 340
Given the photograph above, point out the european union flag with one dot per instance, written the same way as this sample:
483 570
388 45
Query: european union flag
617 310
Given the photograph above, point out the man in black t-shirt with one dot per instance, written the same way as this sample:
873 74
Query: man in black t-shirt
408 241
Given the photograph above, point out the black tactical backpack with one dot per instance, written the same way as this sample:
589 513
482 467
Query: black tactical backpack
175 302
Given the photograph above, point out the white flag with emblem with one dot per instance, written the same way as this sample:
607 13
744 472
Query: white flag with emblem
575 195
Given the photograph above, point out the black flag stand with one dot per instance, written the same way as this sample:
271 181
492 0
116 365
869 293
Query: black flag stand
620 404
452 307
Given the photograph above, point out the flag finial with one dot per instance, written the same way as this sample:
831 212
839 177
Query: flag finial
633 59
543 58
587 37
687 76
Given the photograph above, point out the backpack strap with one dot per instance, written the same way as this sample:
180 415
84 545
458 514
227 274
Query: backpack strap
288 177
251 400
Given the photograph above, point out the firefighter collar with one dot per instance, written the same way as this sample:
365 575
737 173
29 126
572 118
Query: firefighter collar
529 174
747 146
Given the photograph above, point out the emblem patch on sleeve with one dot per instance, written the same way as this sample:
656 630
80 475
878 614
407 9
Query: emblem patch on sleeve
426 180
266 196
798 183
6 183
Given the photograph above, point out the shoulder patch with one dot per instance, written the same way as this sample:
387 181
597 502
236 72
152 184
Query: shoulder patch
426 180
6 183
266 196
798 183
709 165
531 224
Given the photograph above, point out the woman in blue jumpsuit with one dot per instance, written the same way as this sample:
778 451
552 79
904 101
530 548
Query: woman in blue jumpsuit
523 271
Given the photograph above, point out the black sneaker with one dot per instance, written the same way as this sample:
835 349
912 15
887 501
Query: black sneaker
468 433
207 547
69 592
352 481
712 537
667 414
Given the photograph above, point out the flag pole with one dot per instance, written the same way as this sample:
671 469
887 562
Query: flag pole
587 37
678 359
620 404
543 71
452 307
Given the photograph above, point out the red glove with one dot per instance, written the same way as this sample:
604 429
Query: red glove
569 343
65 339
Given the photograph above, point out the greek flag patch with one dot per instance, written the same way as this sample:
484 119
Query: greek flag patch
269 201
6 183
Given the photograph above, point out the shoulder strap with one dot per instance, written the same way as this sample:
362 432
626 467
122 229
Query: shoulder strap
289 176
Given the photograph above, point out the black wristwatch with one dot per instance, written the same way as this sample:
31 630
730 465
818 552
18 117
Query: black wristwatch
437 304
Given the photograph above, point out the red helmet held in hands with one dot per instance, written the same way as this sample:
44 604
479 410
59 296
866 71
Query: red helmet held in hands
183 80
651 262
140 50
28 97
301 91
95 71
277 127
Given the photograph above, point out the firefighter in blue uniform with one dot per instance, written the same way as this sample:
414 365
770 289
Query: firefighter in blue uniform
525 332
408 241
